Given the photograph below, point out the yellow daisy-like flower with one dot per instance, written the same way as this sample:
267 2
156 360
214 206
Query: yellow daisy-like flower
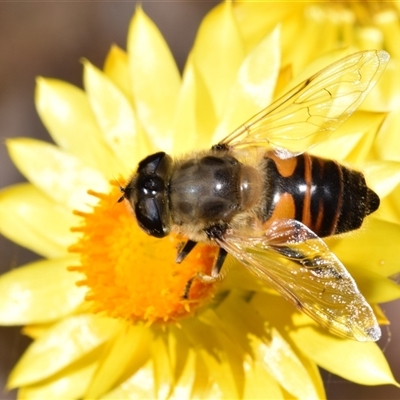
317 28
327 29
125 331
313 28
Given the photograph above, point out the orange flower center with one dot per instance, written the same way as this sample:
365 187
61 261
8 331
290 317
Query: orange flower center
132 275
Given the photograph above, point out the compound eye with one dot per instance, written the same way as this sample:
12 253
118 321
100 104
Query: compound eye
157 163
149 214
151 185
150 195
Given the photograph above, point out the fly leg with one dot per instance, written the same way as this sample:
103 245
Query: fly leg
184 250
216 274
213 232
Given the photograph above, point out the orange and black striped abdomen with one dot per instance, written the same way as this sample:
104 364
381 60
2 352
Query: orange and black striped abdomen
324 195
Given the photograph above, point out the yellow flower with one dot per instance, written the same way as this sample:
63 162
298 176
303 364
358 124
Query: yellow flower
319 28
311 29
125 331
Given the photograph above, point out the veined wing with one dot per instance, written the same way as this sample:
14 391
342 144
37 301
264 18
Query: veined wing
309 112
299 265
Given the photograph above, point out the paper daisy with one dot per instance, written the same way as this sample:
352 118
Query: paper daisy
109 319
312 28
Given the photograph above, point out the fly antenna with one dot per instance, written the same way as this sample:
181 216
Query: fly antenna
121 189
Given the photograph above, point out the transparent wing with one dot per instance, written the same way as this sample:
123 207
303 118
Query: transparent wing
299 265
309 112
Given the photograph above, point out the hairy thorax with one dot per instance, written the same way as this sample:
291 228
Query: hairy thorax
212 189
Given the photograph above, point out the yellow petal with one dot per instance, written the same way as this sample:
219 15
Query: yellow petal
316 65
203 386
65 343
375 246
191 383
163 374
36 330
155 79
219 63
362 363
306 28
32 220
28 298
233 312
380 315
63 177
138 387
280 315
191 377
387 142
259 384
337 146
385 96
364 146
230 382
257 19
364 124
226 371
65 111
388 24
382 176
117 364
116 119
70 383
282 363
254 86
195 118
353 139
391 207
117 69
375 287
314 373
239 277
368 37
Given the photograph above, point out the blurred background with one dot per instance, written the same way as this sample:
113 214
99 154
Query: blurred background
49 39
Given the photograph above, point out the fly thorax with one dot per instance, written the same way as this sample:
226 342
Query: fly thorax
251 186
205 190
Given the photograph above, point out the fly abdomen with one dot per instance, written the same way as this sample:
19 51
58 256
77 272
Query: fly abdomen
358 201
322 194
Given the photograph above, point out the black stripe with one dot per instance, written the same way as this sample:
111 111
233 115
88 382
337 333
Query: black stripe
326 191
352 211
295 184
